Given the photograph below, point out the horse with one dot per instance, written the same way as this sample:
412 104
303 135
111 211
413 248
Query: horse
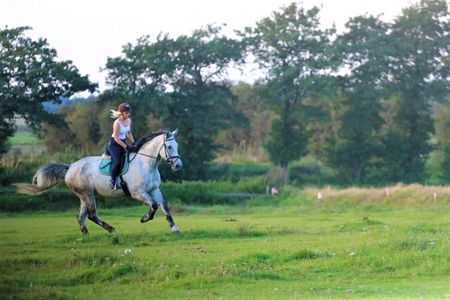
143 180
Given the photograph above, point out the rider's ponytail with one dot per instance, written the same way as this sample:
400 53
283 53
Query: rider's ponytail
115 114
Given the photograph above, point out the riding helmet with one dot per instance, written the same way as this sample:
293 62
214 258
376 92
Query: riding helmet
123 107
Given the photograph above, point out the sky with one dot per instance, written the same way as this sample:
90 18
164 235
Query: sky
87 32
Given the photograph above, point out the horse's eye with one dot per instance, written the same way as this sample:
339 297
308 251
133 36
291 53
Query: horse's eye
170 147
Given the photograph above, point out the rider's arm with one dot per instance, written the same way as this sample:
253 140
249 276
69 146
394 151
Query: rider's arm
130 137
129 134
116 129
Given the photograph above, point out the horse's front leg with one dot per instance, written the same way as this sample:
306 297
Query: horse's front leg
157 195
144 197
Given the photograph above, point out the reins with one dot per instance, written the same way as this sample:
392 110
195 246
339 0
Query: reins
143 154
168 158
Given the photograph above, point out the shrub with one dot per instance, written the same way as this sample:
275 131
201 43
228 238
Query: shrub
213 192
235 171
311 172
22 173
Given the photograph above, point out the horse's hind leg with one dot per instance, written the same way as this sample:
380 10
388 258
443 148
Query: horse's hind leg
92 215
81 217
94 218
87 197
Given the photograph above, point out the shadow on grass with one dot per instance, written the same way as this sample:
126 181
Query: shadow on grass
142 239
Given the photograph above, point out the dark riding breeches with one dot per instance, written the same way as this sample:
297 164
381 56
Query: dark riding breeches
116 151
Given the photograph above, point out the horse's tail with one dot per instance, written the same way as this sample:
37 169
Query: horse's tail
44 179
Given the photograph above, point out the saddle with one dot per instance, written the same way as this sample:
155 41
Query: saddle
105 169
105 164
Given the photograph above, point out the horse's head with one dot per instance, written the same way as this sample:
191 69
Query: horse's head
169 151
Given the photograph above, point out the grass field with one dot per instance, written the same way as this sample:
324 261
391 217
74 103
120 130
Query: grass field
23 138
300 250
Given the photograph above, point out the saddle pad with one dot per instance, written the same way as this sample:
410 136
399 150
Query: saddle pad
105 164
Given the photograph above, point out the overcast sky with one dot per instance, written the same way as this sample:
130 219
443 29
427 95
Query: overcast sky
89 31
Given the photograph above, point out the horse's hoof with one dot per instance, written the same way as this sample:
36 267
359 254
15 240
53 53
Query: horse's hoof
175 230
84 230
145 218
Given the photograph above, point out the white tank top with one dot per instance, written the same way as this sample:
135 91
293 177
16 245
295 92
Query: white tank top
122 131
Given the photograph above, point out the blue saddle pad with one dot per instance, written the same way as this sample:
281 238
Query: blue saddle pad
105 165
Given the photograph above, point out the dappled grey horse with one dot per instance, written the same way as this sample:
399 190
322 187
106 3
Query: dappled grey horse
83 178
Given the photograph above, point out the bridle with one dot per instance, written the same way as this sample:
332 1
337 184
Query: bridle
170 159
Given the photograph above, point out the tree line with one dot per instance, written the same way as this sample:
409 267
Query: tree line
371 102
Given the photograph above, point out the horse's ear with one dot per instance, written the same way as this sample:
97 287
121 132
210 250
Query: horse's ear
175 132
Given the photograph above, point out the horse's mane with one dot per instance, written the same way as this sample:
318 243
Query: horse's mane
146 138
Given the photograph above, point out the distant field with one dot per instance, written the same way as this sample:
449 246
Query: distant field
303 250
23 138
26 143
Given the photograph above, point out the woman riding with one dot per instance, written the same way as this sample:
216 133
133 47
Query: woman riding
116 145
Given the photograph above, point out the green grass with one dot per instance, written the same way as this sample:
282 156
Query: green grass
23 138
297 251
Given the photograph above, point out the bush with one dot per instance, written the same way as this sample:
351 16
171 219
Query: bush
22 169
214 192
208 193
311 172
235 171
23 173
57 200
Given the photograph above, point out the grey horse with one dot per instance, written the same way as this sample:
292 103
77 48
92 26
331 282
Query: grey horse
83 178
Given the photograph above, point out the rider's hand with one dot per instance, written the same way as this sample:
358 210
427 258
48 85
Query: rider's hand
129 148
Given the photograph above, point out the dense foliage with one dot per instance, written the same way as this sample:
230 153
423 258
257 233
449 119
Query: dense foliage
294 53
365 102
184 88
30 74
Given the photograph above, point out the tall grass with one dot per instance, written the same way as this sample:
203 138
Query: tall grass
413 194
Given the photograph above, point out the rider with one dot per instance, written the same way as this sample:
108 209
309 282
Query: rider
116 144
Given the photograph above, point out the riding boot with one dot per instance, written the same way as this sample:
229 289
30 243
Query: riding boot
114 185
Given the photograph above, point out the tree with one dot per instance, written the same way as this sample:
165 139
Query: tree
294 53
248 140
182 82
85 129
202 103
442 139
419 75
30 74
141 76
363 50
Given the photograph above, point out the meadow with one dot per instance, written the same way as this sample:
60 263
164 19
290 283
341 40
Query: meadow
347 246
235 242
